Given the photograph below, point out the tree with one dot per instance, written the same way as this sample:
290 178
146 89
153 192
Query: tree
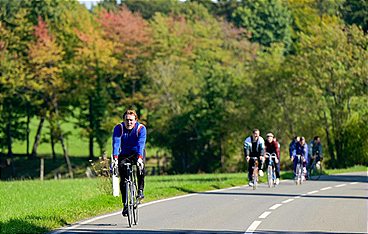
333 62
356 12
268 21
47 83
94 66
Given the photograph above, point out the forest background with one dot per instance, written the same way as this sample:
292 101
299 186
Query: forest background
201 75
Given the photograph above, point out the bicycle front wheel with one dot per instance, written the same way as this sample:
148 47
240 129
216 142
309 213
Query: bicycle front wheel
129 203
269 176
316 171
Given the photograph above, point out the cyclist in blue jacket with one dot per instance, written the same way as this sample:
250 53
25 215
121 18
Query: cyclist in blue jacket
301 148
128 140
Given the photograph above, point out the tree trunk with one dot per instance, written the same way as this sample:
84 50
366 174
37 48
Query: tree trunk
91 156
66 157
52 140
63 146
38 137
9 143
28 131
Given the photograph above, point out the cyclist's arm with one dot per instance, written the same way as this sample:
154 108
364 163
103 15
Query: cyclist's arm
142 136
247 146
116 140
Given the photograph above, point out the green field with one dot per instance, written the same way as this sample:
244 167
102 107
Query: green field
33 206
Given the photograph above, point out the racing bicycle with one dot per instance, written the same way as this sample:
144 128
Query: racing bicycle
131 192
255 172
271 173
315 168
299 173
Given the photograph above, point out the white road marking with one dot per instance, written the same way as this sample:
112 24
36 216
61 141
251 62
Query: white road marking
253 227
326 188
340 185
274 207
288 200
315 191
265 214
353 182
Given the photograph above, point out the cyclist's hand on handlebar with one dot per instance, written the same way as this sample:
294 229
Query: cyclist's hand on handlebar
292 158
276 160
140 163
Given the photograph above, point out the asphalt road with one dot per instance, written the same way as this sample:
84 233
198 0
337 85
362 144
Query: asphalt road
334 204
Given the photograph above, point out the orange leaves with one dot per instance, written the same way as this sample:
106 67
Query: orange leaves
129 31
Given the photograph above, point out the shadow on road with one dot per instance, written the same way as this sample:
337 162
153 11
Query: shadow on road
151 232
283 195
312 232
132 231
345 178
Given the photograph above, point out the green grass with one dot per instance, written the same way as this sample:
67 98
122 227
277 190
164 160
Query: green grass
33 206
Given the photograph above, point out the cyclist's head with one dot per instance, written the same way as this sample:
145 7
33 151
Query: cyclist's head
130 118
296 138
269 137
317 139
302 140
255 134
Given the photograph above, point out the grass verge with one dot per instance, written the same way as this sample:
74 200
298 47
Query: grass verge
33 206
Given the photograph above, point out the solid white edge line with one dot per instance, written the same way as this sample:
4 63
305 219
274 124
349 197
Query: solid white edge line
274 207
64 229
265 214
326 188
253 226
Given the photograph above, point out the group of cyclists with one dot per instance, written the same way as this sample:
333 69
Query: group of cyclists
129 139
256 148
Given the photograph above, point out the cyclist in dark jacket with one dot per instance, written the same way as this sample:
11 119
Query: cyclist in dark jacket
254 147
272 146
301 148
128 140
292 145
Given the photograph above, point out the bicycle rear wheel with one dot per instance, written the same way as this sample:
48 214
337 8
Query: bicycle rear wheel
255 178
135 204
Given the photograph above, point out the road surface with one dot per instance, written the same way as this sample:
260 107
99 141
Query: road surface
334 204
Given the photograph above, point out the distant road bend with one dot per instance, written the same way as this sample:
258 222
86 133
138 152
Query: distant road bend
334 204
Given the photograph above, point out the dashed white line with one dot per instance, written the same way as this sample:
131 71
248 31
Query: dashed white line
274 207
264 215
315 191
288 200
353 182
326 188
253 227
340 185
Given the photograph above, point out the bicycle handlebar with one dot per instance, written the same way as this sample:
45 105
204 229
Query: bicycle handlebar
268 155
